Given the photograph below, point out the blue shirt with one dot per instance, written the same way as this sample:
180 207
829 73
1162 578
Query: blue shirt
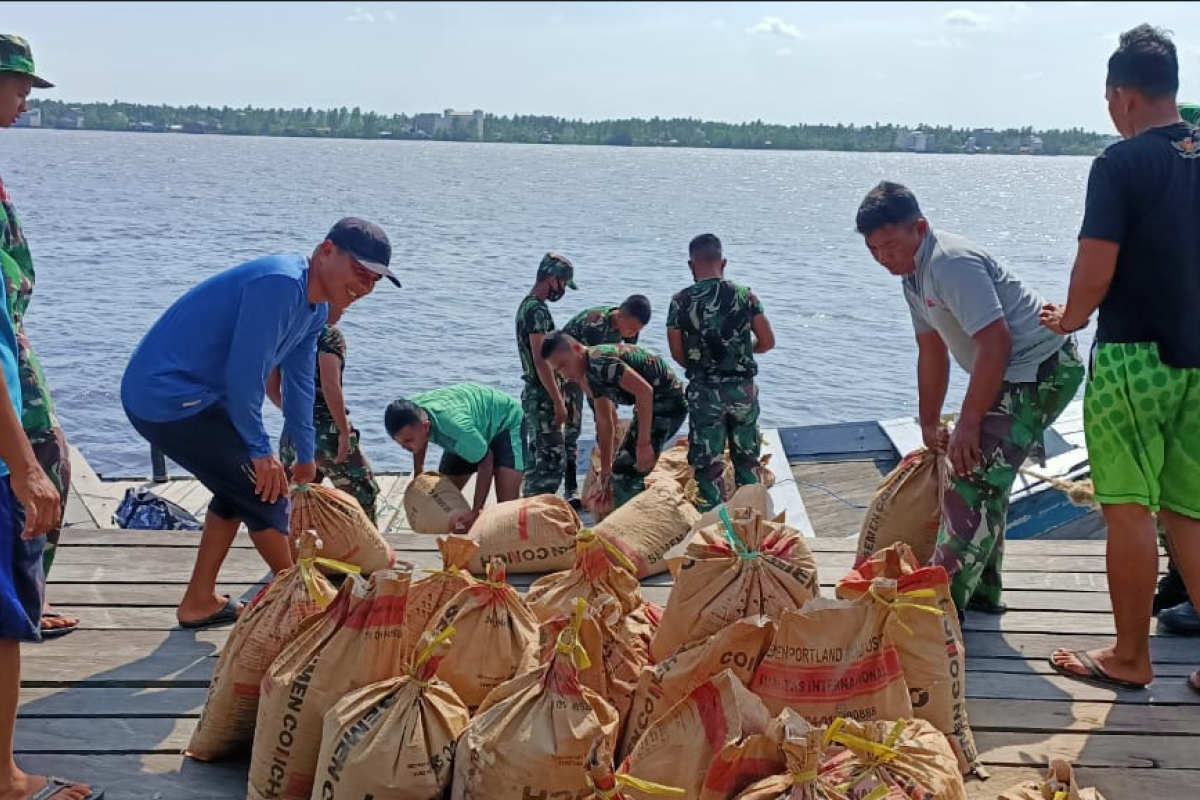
217 344
8 361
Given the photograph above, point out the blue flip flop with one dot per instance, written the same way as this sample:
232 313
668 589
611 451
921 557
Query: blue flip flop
55 786
227 614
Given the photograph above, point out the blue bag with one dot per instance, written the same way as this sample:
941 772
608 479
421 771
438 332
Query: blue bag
142 509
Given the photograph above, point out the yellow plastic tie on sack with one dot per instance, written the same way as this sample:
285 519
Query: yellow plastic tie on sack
568 643
808 776
429 649
630 782
589 538
310 581
878 793
898 604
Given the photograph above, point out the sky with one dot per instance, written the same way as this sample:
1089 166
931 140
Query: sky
999 64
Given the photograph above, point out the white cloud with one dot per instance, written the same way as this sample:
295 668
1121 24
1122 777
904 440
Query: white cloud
943 43
776 27
390 15
783 51
361 15
965 18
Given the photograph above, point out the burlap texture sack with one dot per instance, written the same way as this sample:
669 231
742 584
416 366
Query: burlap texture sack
430 499
756 757
345 531
428 596
755 496
533 534
738 648
924 627
638 628
606 784
597 496
1059 784
649 525
532 735
495 640
615 665
907 507
596 573
357 641
679 747
269 622
394 738
673 466
802 780
834 658
750 566
908 758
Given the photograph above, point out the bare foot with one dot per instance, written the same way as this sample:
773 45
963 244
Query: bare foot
23 786
53 621
1194 681
1106 660
189 613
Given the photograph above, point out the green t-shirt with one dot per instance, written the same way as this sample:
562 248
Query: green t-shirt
466 417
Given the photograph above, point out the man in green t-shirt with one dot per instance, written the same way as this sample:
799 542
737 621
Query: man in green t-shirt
479 428
593 326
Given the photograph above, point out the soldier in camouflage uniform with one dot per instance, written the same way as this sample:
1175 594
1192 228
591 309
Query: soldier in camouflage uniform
625 375
964 304
338 456
590 327
714 328
542 397
37 406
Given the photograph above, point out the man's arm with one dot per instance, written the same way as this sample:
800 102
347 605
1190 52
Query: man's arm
330 367
933 377
675 340
764 336
606 432
483 481
1095 266
32 488
643 395
275 388
299 394
419 461
546 375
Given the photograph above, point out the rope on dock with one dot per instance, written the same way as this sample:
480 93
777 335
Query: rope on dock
1080 493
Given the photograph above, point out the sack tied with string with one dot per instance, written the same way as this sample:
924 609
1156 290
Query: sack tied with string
907 506
430 500
345 531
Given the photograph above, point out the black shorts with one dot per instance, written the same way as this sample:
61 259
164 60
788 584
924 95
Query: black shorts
507 449
208 446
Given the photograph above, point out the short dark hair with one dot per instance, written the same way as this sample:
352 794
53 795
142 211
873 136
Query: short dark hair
706 246
887 204
556 341
400 414
638 307
1145 61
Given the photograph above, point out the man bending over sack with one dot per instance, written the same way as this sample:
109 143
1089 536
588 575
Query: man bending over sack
479 428
627 375
195 387
963 303
590 327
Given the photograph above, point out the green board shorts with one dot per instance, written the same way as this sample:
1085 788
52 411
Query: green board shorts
1142 424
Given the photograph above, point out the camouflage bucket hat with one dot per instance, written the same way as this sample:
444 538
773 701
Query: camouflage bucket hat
1190 113
17 56
555 266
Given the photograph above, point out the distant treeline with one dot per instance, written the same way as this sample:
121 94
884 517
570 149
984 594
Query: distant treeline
355 123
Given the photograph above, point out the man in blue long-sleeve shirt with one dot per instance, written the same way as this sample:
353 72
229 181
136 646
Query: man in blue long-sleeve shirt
196 383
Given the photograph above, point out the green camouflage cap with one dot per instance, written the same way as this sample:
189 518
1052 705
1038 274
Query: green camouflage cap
1190 113
556 266
17 56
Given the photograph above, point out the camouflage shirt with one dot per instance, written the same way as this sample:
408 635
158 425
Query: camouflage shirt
606 364
594 326
532 317
37 407
714 318
333 342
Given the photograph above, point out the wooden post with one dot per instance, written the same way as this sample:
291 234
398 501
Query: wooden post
158 463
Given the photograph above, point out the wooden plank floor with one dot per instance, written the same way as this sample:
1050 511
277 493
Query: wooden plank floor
116 701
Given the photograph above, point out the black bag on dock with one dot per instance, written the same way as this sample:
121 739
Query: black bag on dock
142 509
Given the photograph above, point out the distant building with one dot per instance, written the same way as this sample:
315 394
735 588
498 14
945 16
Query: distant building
985 138
914 141
30 119
452 120
425 123
1035 145
72 119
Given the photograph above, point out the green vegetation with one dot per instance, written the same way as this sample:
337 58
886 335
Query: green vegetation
355 123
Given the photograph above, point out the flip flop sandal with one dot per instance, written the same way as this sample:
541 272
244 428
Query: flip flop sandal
985 607
1095 675
58 630
226 615
55 786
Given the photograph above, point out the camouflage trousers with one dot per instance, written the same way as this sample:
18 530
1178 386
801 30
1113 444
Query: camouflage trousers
547 449
722 414
353 476
627 480
970 543
51 451
574 396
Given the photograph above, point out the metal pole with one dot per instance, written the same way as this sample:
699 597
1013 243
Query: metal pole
158 463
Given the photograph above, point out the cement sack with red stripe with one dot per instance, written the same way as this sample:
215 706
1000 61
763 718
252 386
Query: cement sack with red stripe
533 534
834 658
357 640
430 499
678 749
649 525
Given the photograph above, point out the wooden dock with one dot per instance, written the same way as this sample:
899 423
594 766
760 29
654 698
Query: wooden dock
116 701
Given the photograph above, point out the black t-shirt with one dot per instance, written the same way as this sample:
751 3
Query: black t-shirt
1144 195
